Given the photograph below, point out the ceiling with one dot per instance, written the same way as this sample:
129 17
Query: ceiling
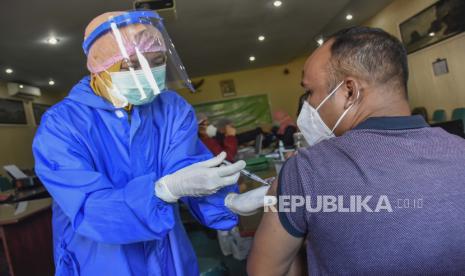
211 36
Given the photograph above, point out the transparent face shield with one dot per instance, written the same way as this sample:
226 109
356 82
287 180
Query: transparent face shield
134 58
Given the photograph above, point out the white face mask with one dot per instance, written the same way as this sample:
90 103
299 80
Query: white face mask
211 131
312 126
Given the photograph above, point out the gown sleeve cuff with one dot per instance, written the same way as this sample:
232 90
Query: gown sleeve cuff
157 214
161 191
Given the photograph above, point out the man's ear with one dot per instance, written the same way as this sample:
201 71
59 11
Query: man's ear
351 91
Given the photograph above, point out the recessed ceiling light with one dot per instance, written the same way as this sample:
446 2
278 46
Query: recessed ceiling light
277 3
51 82
21 86
261 38
349 16
9 71
52 40
320 41
252 58
432 34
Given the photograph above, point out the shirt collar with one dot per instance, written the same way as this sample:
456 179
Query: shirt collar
393 123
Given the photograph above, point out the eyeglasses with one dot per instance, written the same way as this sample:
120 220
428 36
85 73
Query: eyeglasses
154 59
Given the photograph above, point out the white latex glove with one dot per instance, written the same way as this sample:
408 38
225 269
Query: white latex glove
248 203
199 179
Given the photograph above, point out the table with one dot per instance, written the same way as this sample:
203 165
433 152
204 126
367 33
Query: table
25 194
26 234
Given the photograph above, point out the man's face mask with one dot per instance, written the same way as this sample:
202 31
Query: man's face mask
312 126
128 88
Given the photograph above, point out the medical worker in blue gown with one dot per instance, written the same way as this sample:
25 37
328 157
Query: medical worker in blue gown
121 150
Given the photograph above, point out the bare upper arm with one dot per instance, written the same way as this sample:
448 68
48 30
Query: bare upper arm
274 249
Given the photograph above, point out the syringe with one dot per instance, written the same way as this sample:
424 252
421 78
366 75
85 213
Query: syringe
249 174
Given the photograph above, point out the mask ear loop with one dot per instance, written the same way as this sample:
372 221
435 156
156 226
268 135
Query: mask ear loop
344 113
147 72
119 41
330 94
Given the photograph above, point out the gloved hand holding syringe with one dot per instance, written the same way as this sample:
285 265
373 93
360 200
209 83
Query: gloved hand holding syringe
205 178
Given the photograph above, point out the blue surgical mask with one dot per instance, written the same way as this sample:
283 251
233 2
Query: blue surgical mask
125 86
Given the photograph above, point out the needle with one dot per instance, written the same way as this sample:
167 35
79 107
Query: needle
249 174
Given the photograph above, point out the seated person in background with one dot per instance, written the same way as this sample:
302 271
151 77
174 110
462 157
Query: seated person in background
248 136
396 186
218 139
285 128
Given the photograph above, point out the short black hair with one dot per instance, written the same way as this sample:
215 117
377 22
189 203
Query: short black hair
368 53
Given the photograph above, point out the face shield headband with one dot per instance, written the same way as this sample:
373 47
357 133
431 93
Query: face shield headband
176 75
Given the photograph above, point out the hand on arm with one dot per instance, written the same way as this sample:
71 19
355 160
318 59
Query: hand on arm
248 203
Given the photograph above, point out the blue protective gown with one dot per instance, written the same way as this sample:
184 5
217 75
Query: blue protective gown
100 169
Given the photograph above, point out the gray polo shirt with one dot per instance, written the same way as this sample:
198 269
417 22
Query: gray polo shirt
394 192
